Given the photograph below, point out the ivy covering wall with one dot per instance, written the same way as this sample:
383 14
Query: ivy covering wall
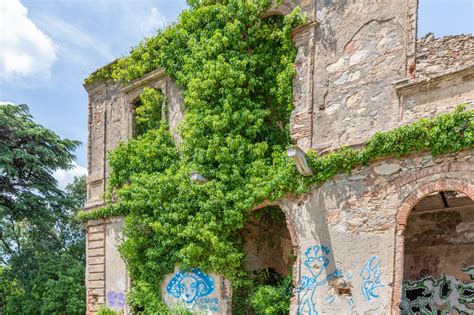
236 70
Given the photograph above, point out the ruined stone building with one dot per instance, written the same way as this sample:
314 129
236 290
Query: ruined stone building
397 233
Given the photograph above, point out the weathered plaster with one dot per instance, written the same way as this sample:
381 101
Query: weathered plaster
353 216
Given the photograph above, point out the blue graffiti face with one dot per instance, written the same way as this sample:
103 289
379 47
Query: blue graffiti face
188 286
370 274
316 262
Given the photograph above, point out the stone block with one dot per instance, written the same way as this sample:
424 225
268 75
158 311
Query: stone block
95 260
96 268
387 169
95 284
96 244
96 276
96 236
95 252
96 228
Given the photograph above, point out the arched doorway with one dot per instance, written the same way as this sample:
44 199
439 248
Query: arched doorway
267 242
438 272
270 255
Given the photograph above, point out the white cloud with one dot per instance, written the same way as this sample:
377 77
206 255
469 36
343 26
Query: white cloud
153 22
65 177
24 49
70 35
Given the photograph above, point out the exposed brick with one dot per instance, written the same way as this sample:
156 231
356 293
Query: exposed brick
97 292
349 47
95 222
333 216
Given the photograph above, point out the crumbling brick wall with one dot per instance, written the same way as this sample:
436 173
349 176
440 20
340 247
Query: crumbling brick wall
436 56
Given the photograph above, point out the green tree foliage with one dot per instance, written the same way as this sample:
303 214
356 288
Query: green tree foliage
103 310
236 70
41 246
29 154
272 300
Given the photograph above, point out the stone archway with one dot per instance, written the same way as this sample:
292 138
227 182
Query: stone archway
270 244
268 241
428 190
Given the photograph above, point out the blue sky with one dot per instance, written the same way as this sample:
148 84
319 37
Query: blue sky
48 47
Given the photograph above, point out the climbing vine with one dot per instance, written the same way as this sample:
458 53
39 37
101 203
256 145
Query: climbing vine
150 110
236 71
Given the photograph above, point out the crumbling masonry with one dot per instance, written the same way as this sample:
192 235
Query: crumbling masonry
394 236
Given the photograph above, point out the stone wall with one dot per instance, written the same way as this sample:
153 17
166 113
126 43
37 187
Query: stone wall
425 98
348 58
95 266
356 73
111 120
349 248
435 56
106 273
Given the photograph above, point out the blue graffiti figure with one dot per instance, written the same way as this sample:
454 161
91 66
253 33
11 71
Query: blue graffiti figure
370 273
188 286
115 299
316 263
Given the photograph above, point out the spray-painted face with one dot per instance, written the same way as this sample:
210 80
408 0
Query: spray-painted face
188 288
316 259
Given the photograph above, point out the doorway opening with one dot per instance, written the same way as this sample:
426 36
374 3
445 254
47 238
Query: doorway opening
269 261
438 275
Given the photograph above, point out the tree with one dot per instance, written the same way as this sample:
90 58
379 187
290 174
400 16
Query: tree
41 246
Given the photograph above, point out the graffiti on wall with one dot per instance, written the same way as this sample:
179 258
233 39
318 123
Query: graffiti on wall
470 271
116 300
438 296
316 262
370 275
193 288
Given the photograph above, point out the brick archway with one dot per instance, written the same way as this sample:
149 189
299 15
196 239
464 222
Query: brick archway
459 185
